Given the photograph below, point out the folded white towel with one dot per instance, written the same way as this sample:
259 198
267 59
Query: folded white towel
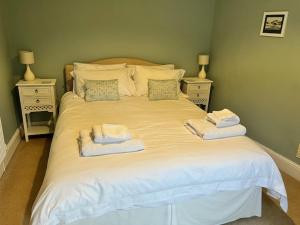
225 114
222 123
223 118
89 148
110 133
207 130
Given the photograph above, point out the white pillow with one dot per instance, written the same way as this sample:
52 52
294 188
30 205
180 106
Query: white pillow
91 66
166 66
143 74
162 67
126 85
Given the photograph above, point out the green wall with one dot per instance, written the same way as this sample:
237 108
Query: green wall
7 107
258 77
60 32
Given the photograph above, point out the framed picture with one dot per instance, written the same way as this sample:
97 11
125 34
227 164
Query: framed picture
273 24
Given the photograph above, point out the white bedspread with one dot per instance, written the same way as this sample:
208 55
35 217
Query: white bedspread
175 164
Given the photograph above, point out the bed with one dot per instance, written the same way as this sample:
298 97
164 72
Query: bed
178 179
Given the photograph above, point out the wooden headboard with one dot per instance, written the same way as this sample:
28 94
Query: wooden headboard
131 61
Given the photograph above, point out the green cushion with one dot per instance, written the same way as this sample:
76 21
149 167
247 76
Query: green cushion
163 89
101 90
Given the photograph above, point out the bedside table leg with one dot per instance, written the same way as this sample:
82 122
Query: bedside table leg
24 116
28 120
206 107
54 117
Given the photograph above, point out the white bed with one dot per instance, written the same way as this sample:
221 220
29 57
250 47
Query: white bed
178 179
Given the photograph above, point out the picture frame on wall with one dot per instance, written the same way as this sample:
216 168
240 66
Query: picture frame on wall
274 24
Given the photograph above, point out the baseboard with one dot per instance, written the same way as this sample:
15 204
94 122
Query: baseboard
2 153
286 165
11 148
2 169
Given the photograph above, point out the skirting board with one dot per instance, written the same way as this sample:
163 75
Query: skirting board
11 148
284 164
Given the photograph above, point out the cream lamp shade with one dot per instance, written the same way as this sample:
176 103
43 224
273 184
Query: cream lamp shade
27 58
203 60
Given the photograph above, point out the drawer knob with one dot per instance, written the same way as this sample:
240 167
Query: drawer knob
198 95
36 91
199 87
37 101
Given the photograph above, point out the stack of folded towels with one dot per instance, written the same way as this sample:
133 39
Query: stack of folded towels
218 124
108 139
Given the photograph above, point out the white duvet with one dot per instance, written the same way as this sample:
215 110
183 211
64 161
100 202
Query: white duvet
174 166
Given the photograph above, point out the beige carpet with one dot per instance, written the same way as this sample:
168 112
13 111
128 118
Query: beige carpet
23 177
20 183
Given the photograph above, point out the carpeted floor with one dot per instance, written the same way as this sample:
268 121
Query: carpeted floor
24 175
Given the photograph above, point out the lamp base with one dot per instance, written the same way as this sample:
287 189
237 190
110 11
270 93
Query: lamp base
202 73
28 76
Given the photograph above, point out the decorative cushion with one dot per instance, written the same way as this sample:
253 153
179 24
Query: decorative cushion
101 90
162 89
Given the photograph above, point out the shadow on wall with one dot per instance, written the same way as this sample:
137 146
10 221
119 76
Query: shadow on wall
16 68
17 106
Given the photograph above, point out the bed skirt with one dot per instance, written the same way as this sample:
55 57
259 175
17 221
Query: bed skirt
214 209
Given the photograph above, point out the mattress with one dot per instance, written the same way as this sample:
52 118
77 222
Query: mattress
175 165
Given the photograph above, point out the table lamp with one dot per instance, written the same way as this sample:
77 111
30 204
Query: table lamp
203 60
27 58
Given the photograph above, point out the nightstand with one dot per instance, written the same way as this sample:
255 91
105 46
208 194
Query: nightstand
198 90
38 95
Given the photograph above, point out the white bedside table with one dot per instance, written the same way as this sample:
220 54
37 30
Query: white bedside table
198 90
38 95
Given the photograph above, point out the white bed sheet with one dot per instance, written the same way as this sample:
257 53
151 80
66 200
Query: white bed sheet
174 166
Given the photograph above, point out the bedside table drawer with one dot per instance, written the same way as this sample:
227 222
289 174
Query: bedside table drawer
198 87
195 95
36 91
35 101
198 92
